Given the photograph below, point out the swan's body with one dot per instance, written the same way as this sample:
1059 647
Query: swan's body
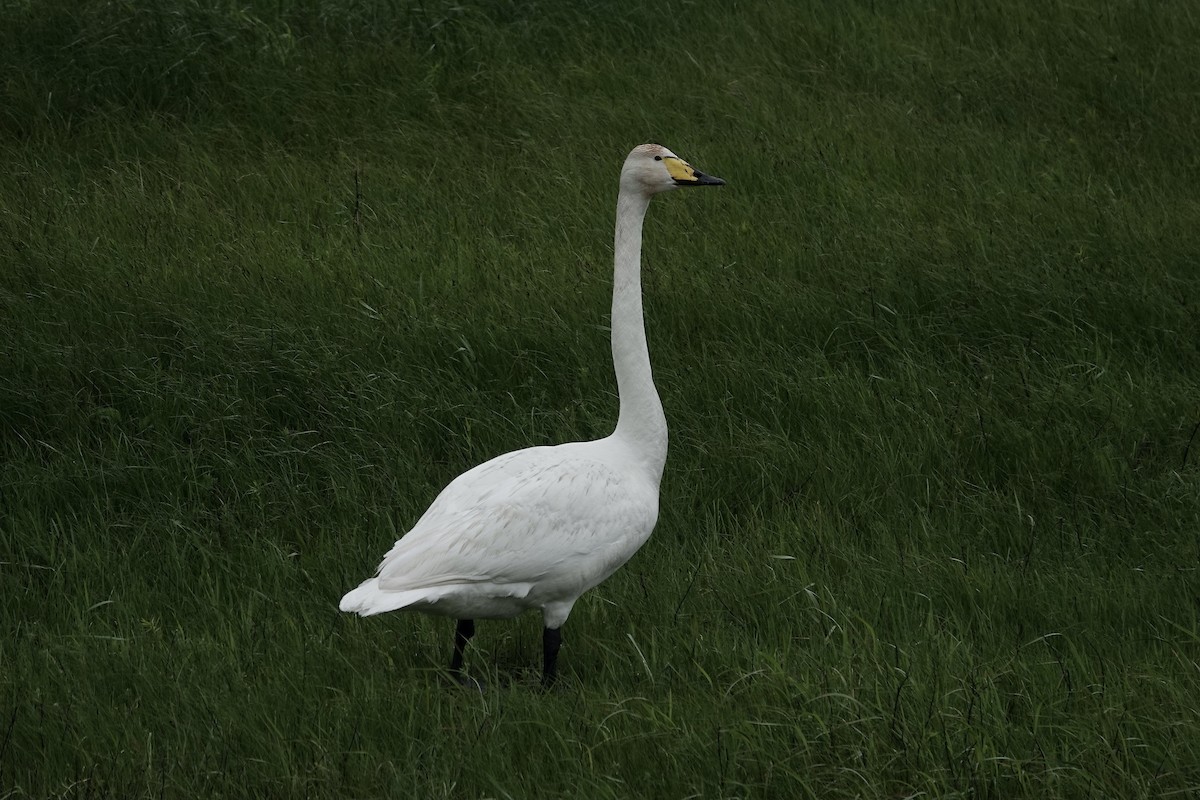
536 528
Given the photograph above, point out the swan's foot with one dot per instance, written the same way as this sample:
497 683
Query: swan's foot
467 682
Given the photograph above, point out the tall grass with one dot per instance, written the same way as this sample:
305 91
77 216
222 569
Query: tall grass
272 273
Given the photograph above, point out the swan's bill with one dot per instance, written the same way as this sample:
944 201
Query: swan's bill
684 174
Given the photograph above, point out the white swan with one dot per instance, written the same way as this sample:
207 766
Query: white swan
537 528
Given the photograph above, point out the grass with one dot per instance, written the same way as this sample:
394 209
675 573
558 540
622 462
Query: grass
271 274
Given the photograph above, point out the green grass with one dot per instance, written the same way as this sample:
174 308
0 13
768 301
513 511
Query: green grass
272 273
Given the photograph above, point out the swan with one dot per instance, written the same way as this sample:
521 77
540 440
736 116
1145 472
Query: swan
536 528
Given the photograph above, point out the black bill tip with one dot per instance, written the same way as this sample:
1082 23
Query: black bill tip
702 180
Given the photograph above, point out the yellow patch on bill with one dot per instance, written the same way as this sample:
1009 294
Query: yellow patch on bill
680 170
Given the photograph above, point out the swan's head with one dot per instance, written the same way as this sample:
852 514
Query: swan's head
652 168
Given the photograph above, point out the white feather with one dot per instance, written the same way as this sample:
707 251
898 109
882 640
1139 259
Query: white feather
534 528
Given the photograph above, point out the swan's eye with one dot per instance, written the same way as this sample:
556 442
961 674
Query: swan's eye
658 158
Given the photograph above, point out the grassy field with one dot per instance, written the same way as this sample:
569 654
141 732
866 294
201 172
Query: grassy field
272 273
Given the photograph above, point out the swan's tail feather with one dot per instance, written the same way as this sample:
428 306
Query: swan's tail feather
369 599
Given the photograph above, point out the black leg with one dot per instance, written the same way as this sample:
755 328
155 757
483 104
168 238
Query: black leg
462 635
551 641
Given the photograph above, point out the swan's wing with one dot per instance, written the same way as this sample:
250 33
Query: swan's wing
540 516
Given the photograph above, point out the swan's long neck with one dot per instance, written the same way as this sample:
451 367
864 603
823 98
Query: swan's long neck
641 425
